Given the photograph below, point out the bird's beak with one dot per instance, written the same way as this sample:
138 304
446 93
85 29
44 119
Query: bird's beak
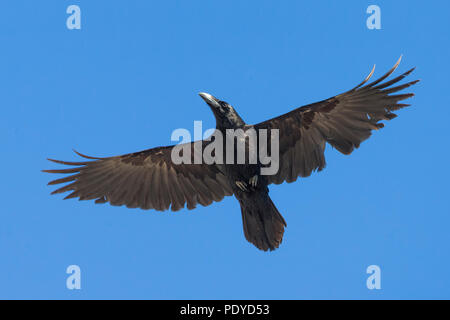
210 100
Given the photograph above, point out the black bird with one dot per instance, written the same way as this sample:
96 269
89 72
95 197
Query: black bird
150 180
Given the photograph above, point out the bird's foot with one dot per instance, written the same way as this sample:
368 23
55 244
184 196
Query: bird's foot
253 181
241 185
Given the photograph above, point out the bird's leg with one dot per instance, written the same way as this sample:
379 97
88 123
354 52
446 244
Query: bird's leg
241 185
253 181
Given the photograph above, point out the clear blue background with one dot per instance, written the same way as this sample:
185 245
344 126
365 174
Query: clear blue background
131 75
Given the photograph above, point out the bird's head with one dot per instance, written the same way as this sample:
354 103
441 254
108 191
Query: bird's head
226 116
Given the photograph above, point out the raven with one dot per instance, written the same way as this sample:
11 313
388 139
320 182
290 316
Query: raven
149 179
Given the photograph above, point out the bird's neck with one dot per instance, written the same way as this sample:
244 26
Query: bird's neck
224 125
230 121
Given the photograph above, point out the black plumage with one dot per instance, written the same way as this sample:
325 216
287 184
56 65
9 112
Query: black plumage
150 180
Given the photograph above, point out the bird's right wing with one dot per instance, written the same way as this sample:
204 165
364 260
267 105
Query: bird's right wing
147 179
344 121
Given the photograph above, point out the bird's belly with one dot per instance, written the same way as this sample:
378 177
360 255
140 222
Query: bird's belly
242 171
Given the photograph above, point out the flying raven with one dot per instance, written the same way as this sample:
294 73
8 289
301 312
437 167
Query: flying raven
149 179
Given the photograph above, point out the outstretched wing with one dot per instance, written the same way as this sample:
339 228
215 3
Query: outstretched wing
147 179
344 121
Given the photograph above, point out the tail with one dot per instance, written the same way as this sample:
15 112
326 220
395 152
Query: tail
263 224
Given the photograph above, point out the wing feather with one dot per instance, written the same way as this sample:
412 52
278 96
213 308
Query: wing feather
146 179
343 121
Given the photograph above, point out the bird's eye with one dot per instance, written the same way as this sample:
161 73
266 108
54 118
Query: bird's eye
225 106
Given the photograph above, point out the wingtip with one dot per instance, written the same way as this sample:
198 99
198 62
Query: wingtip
367 78
398 62
78 153
371 73
85 156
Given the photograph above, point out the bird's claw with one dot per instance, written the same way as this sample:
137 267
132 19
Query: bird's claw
244 186
241 185
253 181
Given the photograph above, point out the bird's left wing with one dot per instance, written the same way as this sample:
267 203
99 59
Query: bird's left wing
147 179
344 121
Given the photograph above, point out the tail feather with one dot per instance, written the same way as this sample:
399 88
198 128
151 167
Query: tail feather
262 222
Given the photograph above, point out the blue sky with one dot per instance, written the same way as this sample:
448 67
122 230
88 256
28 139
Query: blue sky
131 76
